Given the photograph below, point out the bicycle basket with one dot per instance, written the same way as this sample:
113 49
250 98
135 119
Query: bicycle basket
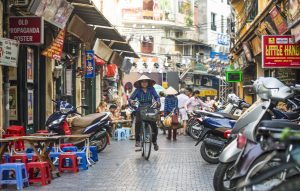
149 114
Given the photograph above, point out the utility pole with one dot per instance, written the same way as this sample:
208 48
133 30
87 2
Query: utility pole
6 11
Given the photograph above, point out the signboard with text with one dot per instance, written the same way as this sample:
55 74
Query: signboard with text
280 52
27 30
54 51
9 50
90 64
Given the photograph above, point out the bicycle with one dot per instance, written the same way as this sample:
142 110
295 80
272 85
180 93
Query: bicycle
146 131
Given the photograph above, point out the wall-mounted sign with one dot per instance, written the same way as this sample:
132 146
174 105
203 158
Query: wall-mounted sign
296 33
30 107
90 64
56 12
279 21
30 64
248 52
223 39
27 30
280 52
13 103
234 76
54 51
9 50
293 11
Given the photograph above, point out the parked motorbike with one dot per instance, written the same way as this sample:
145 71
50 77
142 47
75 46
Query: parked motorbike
232 111
217 128
270 91
97 124
279 161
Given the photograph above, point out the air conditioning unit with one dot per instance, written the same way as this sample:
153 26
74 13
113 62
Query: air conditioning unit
21 2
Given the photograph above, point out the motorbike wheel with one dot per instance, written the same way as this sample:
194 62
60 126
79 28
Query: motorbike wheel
222 177
100 143
209 155
292 184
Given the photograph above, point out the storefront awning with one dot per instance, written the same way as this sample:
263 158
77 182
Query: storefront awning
86 10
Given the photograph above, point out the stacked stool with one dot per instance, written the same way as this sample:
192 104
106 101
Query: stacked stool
20 172
120 134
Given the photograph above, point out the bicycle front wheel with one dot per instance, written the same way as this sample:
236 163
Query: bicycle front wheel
147 141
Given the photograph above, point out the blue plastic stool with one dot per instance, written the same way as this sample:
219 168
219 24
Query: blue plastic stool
70 149
29 150
94 153
54 156
120 134
127 131
21 174
82 162
29 156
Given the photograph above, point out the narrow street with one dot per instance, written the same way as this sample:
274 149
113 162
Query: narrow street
176 166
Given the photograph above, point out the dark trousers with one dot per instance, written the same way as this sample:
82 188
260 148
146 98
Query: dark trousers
170 133
138 127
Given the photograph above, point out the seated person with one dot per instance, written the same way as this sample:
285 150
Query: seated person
102 107
115 113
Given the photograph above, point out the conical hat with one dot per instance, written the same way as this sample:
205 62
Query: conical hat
144 77
171 91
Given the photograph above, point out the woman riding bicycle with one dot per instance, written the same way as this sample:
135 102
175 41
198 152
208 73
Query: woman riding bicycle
144 94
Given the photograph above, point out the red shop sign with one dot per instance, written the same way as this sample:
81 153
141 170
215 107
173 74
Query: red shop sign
27 30
280 52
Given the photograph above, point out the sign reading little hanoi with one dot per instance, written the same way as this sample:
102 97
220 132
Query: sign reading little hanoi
280 52
27 30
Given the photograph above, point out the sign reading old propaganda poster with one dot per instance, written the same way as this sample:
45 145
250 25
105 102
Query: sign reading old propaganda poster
30 61
13 112
27 30
9 50
30 107
56 12
54 51
280 52
90 64
278 20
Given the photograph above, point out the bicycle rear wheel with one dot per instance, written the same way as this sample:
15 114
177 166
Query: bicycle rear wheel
147 141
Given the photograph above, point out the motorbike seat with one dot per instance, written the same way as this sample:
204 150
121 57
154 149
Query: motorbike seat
229 116
207 113
277 125
85 121
291 115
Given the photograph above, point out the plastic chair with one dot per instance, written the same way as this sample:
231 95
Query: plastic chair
120 134
45 173
69 149
20 172
70 158
32 157
54 156
127 131
82 160
29 150
66 145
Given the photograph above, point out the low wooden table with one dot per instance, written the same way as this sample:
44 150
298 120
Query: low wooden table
45 145
5 144
44 134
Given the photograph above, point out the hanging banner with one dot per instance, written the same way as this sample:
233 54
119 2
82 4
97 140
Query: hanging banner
279 21
69 82
27 30
90 64
56 12
9 50
13 103
30 107
280 52
54 51
296 33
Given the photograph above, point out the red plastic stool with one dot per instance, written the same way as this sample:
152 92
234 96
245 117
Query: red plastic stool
22 157
15 130
65 145
45 174
72 157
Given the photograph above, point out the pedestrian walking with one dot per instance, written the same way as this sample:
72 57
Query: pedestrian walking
171 105
182 100
162 107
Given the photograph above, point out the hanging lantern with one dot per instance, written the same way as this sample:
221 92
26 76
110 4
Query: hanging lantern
99 61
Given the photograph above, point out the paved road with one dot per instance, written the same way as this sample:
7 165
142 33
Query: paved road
176 166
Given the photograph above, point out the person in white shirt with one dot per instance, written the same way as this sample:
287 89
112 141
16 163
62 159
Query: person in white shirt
195 102
162 106
182 99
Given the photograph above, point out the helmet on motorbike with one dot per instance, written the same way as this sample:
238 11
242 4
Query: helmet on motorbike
272 88
233 99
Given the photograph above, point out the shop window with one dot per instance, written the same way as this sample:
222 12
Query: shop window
213 21
205 81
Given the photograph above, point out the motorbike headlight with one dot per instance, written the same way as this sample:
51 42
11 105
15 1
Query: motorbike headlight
65 110
55 122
